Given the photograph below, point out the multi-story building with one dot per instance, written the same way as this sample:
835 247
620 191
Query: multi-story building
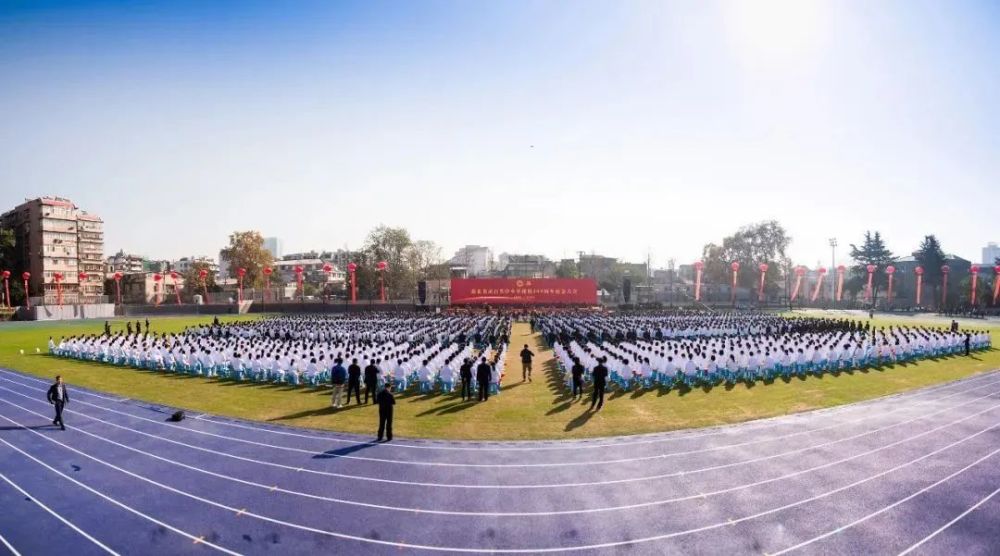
991 253
529 266
53 236
184 264
476 259
125 263
275 246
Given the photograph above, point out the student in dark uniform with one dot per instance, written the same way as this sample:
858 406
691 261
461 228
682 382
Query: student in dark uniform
354 382
968 339
483 372
465 372
371 381
59 397
577 371
526 356
600 375
385 402
128 327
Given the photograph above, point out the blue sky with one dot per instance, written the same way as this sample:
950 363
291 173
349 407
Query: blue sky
615 127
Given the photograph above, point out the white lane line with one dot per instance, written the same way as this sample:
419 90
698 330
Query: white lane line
952 522
100 494
576 444
897 503
9 546
521 486
53 513
477 465
652 503
611 544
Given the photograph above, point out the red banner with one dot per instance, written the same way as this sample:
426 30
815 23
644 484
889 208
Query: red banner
523 291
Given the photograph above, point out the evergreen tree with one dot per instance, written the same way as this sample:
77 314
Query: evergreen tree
931 257
872 252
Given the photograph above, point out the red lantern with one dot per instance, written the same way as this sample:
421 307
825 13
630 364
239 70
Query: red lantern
919 271
763 273
6 286
698 267
735 266
240 273
177 289
57 277
202 275
841 269
975 279
800 271
353 269
945 270
118 286
819 283
890 270
871 272
156 288
996 283
381 266
27 296
267 281
298 278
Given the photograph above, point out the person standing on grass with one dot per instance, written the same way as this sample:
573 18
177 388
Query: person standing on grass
371 380
354 382
526 356
968 339
338 376
483 372
577 371
465 372
385 401
600 375
59 397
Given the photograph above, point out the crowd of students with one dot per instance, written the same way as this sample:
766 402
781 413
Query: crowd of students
704 348
429 351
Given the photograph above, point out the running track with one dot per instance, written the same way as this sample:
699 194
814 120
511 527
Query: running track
914 473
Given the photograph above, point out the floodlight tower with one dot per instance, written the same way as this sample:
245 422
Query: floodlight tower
833 267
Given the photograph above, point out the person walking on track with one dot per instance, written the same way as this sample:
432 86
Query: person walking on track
59 397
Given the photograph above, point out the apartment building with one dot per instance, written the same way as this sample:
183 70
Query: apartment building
53 236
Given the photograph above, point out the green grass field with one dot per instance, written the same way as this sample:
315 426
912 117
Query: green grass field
537 410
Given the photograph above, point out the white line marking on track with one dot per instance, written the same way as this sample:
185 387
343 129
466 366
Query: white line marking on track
575 444
98 493
897 503
704 495
952 522
502 487
53 513
9 546
495 550
476 465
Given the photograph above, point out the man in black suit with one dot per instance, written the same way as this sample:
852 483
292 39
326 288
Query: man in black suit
354 382
59 397
465 372
526 356
600 375
577 371
483 372
371 380
385 402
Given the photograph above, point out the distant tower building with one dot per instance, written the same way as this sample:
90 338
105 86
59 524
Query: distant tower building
991 253
274 246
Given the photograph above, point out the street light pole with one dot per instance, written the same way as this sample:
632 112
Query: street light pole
833 265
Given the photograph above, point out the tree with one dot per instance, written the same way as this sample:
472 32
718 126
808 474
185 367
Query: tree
764 242
423 254
246 250
567 269
872 252
931 257
392 245
8 261
192 279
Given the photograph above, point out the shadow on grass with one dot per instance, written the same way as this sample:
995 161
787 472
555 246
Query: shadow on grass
580 420
329 410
